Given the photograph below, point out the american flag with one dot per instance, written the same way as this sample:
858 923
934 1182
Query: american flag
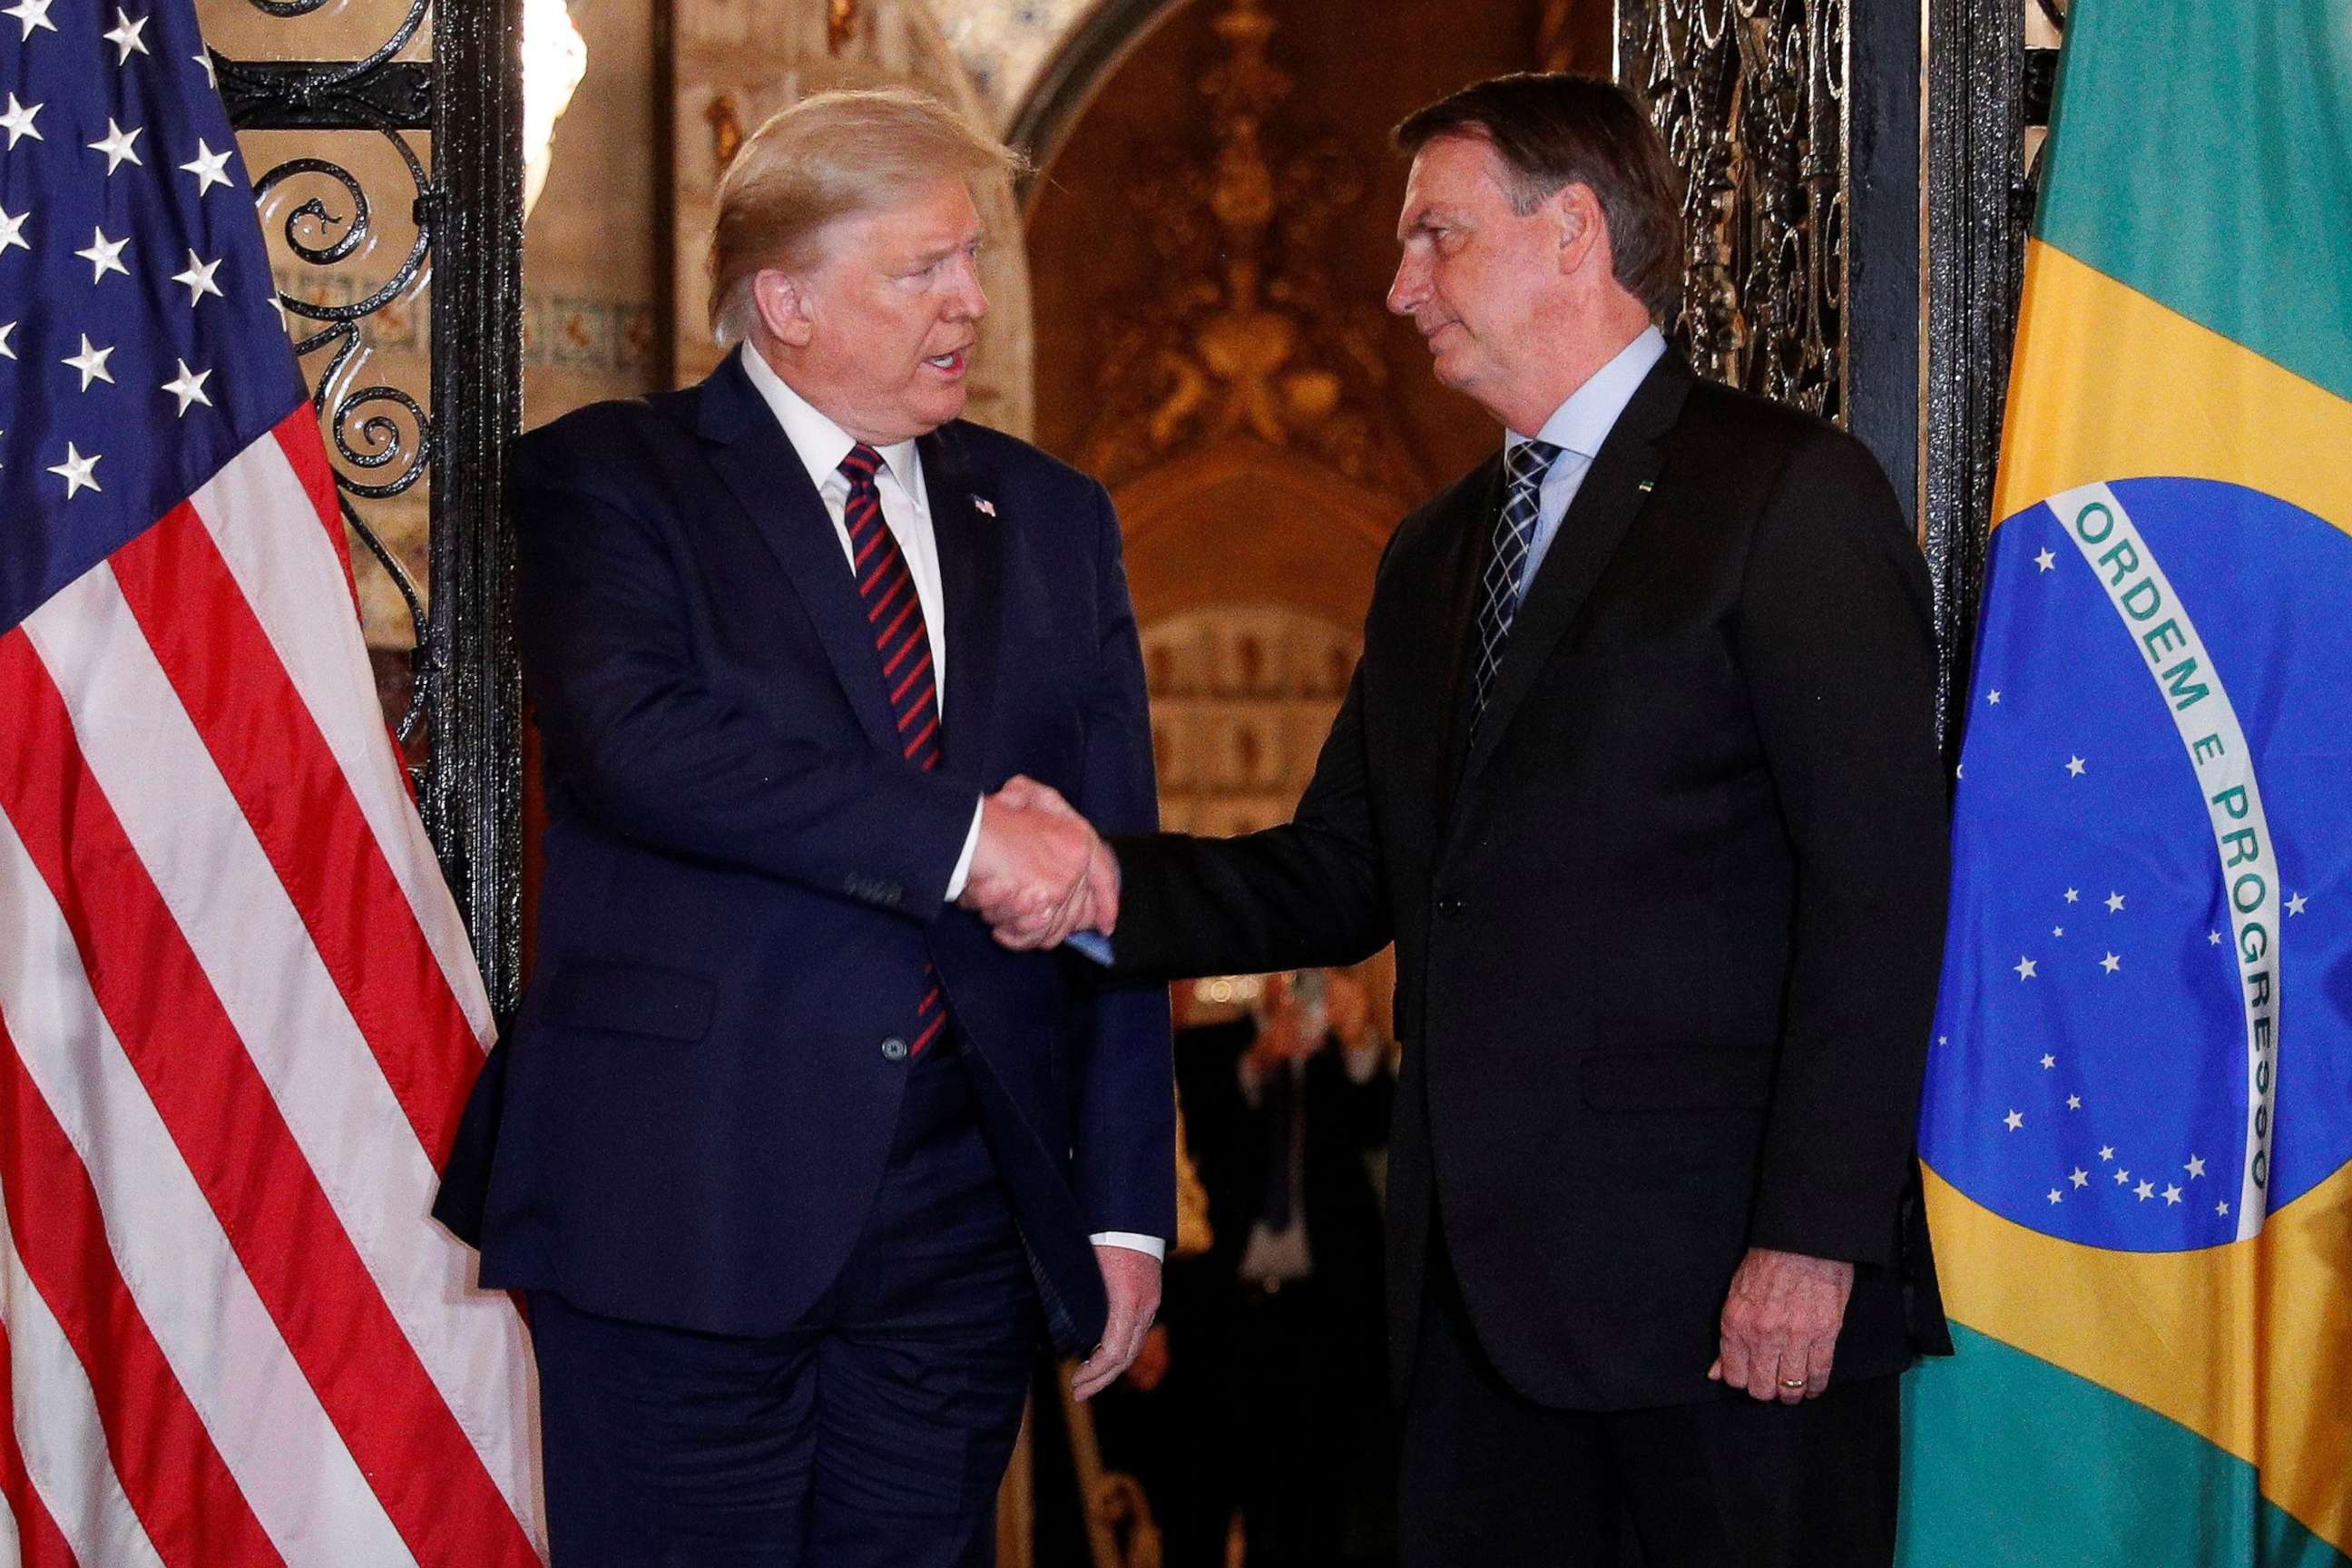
238 1010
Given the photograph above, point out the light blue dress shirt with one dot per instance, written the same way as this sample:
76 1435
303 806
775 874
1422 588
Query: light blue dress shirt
1577 427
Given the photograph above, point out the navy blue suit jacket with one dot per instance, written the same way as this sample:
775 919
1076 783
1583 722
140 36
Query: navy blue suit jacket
744 877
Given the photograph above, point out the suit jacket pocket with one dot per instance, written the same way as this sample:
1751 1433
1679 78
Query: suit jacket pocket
1677 1079
632 999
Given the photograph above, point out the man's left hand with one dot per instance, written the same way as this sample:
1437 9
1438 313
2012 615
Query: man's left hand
1131 1280
1780 1324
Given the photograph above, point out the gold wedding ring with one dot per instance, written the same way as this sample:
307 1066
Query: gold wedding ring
1792 1384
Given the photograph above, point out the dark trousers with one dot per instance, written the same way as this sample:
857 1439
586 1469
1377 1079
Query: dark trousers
1276 1403
1313 1395
1495 1480
1178 1441
874 1433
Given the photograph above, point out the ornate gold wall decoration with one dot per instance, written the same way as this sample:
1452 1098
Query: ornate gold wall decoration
725 120
1750 96
1245 340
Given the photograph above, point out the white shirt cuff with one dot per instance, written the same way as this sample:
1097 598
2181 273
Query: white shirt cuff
962 872
1149 1245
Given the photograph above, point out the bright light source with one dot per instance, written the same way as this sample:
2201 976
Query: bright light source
554 58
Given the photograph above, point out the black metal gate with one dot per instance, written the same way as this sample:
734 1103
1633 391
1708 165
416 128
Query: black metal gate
1813 137
461 718
1985 89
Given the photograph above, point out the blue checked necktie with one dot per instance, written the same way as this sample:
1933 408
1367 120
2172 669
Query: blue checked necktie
1523 466
902 645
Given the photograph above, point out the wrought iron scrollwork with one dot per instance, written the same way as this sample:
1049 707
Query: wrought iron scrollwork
382 434
462 703
1755 100
1750 96
314 81
385 443
423 667
323 245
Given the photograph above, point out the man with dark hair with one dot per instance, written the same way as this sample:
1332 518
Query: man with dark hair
1639 771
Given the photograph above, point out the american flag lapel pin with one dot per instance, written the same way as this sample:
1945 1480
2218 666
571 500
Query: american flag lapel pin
985 506
1646 485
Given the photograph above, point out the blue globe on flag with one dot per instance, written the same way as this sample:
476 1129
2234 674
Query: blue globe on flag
2145 1039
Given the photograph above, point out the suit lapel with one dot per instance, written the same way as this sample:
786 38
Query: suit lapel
971 569
1611 496
1471 533
768 480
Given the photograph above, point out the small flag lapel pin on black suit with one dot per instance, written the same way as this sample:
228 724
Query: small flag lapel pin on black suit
985 506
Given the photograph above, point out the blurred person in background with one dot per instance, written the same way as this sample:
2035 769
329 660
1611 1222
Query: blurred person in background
1283 1106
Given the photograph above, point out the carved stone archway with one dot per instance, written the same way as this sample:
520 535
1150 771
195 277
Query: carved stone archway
1085 57
1245 522
1250 569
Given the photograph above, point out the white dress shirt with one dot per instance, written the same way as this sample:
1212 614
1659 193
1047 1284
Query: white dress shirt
821 445
1577 427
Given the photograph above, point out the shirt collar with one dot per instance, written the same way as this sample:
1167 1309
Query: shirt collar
1584 421
816 440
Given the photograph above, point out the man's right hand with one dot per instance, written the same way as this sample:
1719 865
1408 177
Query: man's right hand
1039 871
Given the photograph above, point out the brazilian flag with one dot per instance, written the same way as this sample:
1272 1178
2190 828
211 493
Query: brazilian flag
2138 1112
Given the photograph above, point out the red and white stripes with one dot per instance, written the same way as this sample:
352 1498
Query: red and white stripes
238 1019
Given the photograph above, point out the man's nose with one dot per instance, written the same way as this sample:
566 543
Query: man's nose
969 299
1410 287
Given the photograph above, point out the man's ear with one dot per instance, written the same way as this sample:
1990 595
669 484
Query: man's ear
784 307
1579 226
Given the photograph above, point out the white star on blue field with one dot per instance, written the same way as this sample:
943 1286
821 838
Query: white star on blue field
2089 1076
135 288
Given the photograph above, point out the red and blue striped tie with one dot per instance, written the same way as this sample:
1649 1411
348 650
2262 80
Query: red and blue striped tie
902 644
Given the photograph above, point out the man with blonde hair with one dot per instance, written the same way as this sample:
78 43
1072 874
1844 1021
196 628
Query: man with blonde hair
796 1163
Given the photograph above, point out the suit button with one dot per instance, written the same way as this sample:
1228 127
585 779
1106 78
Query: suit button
1449 906
894 1049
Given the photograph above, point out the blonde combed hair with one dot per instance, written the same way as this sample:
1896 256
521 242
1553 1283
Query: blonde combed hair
830 156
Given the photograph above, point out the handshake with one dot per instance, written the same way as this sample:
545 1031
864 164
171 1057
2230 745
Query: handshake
1040 871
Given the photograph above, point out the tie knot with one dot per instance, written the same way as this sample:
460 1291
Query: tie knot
862 464
1527 462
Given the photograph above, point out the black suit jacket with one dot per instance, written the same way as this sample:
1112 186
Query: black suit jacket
1668 934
